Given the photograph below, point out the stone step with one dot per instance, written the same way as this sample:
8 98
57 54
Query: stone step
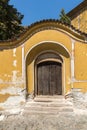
47 111
53 97
40 108
52 104
41 113
49 98
48 105
26 113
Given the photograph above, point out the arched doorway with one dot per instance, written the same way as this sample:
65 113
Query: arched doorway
48 74
46 51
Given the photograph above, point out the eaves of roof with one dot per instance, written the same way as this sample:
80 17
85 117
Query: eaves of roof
49 24
77 9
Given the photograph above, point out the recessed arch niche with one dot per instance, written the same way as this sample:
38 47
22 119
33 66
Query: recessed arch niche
33 59
48 74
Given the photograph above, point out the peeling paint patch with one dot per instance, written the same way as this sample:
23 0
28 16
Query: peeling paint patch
16 80
1 81
15 63
12 90
14 52
5 75
2 117
13 102
14 75
4 97
79 99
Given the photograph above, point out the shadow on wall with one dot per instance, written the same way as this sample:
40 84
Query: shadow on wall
46 47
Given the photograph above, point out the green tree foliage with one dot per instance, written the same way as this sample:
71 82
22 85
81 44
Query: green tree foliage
10 21
64 18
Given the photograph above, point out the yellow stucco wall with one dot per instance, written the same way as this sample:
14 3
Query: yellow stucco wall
10 72
48 35
10 60
80 21
80 61
81 66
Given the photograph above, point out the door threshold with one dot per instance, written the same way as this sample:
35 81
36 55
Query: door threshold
47 98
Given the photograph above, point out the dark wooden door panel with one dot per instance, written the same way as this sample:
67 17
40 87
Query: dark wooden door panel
45 75
52 78
58 77
39 81
43 79
49 78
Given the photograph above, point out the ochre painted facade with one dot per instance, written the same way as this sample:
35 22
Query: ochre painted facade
78 16
18 60
80 21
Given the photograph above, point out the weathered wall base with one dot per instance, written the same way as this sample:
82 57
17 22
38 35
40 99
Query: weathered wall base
13 98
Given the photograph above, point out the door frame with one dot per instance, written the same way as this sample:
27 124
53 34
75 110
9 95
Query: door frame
48 59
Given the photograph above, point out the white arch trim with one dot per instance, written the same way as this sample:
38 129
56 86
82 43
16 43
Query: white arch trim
44 42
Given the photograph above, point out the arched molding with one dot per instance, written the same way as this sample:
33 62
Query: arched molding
68 54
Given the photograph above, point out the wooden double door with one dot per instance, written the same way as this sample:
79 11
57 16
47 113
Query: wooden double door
49 78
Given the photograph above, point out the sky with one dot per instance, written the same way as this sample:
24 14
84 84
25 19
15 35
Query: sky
36 10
